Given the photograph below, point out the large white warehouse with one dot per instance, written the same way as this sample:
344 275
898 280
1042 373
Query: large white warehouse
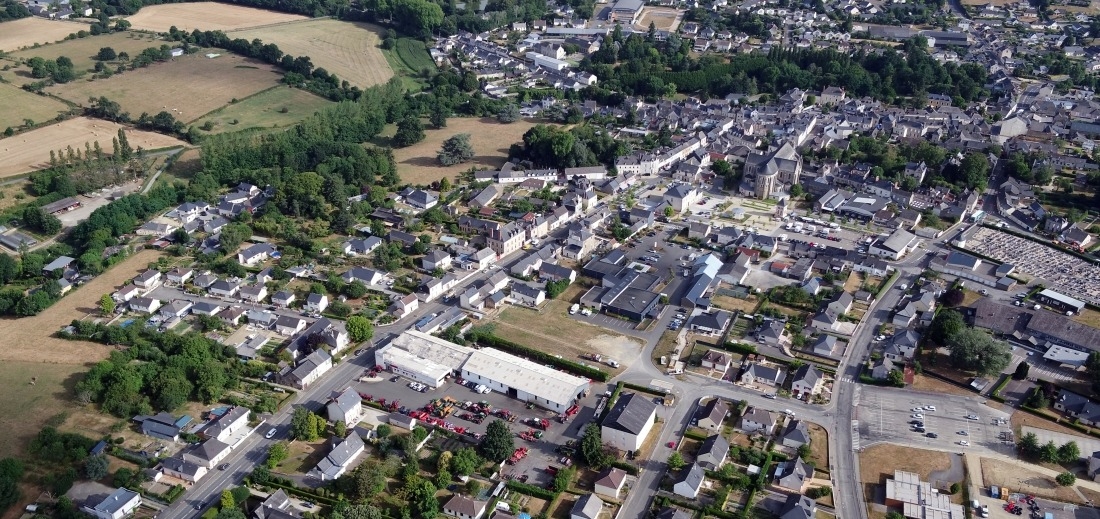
429 360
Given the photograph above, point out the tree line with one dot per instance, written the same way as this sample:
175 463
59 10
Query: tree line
303 7
12 10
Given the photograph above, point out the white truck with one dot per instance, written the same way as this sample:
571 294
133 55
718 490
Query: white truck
611 362
573 309
810 229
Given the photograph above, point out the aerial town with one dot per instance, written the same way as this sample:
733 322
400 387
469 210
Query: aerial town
630 259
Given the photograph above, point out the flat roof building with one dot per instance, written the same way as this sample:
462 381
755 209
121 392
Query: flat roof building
523 379
422 357
1062 302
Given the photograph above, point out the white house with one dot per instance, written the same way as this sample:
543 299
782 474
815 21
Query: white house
254 293
610 482
628 423
121 503
145 305
283 298
289 325
436 259
463 507
148 279
316 302
689 482
180 276
223 288
347 407
126 293
344 452
255 254
229 423
309 369
528 295
587 506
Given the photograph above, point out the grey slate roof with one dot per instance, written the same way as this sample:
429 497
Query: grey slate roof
630 414
587 506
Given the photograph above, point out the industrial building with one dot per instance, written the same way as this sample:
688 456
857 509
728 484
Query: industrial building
1062 302
430 360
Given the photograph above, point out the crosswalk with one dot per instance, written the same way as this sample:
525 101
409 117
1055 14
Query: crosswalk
855 435
847 379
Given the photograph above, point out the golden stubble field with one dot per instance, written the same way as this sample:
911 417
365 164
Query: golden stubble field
26 32
17 104
207 16
30 151
187 87
417 163
348 49
31 351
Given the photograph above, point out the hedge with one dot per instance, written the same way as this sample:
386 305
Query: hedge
886 284
694 435
996 393
518 349
626 467
737 347
614 397
643 389
292 490
531 490
174 493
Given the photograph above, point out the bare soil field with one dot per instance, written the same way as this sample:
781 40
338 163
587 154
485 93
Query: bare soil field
276 107
878 462
417 164
17 104
28 31
188 87
664 18
926 383
1020 479
83 51
208 16
348 49
32 351
31 150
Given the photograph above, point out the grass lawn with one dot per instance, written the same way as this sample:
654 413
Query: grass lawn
1088 317
854 281
734 304
273 108
48 396
665 345
303 457
819 447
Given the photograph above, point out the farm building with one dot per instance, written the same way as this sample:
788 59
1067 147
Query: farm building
1062 302
62 206
626 11
422 357
628 423
17 240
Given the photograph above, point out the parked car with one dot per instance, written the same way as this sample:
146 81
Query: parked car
271 434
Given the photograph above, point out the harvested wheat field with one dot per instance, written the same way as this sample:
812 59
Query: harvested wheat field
348 49
30 339
187 87
82 51
417 164
28 31
207 16
31 151
17 105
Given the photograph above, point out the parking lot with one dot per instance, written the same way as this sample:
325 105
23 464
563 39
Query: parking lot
885 415
541 452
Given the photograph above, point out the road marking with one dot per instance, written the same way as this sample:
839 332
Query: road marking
855 435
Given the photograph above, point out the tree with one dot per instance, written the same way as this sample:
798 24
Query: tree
675 461
340 429
106 54
1066 479
592 451
1022 370
383 431
276 453
96 467
465 461
1069 452
976 350
302 425
562 479
422 500
944 326
498 443
359 328
669 211
896 378
1048 453
227 500
438 117
456 150
1037 399
230 513
509 113
409 131
953 297
442 478
894 515
106 305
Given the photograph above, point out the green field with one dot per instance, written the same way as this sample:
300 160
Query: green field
273 108
17 104
414 55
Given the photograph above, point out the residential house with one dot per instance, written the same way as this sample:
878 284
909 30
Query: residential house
717 360
180 276
254 293
629 421
674 513
824 345
204 280
772 333
421 199
714 322
145 305
680 197
712 453
404 305
363 275
316 302
308 369
177 308
1077 406
825 320
276 506
361 246
346 407
757 420
880 369
793 475
148 279
795 434
255 254
224 288
528 295
712 415
610 482
464 507
760 373
436 259
1094 466
901 346
283 298
204 308
587 506
689 482
807 380
120 503
343 453
178 468
798 506
207 454
224 426
161 425
289 325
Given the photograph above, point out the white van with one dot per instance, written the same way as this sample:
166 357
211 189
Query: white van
573 309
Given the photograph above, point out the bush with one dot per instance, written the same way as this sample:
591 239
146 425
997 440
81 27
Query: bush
1066 479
